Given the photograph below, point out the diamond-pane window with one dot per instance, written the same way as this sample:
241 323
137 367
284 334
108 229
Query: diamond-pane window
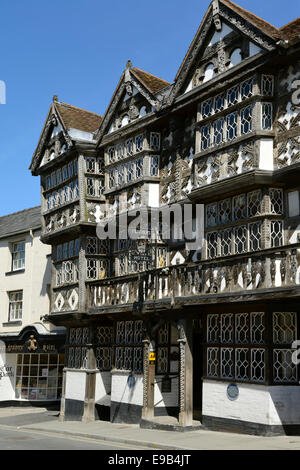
226 242
206 108
246 119
239 207
255 236
211 215
225 211
205 137
276 200
218 129
267 116
247 89
240 239
276 233
267 85
212 245
219 103
254 203
233 96
231 123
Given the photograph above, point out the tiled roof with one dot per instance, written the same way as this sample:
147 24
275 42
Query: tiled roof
291 30
76 118
151 82
261 24
20 221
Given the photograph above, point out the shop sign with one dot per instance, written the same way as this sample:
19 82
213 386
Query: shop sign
152 356
6 371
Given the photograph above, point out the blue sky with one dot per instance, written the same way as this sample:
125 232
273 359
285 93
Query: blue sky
78 49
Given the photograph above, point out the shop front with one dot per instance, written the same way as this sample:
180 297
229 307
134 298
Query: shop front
31 365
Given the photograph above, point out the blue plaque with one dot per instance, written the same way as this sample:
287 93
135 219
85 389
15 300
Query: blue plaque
232 391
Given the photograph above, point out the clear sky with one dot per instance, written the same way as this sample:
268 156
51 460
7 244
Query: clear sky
78 49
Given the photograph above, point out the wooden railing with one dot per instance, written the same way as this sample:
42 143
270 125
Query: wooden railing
272 269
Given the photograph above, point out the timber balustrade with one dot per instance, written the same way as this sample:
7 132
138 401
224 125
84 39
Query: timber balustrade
274 269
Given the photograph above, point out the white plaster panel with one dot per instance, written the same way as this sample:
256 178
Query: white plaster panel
122 393
266 158
252 404
284 404
75 385
154 195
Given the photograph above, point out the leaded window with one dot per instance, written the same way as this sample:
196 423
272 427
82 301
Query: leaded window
267 85
130 171
233 96
90 187
254 236
246 119
90 164
129 349
219 103
247 89
254 203
139 167
206 108
240 239
212 245
231 124
154 140
226 242
225 211
139 143
211 215
276 201
111 178
111 154
154 165
218 129
239 207
205 137
276 233
267 116
129 147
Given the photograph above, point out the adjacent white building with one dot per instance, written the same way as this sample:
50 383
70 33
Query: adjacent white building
31 359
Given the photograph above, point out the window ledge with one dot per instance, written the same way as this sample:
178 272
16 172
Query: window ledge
17 271
13 323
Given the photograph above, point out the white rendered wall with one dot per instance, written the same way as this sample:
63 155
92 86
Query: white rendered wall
261 404
33 281
8 364
162 400
75 385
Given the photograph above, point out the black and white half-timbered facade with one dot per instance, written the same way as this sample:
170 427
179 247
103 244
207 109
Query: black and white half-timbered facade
155 327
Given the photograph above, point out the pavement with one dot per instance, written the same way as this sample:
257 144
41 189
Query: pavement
47 421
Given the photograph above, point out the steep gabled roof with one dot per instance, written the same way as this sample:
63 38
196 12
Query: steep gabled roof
291 30
77 118
146 83
256 21
151 82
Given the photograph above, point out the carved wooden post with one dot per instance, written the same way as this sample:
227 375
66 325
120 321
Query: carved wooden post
63 398
149 378
90 386
185 373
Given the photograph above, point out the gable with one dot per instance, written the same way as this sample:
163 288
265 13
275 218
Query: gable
135 96
224 39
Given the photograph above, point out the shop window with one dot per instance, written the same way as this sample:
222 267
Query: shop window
39 377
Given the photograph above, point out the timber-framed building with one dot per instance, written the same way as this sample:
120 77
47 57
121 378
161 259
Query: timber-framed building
219 321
